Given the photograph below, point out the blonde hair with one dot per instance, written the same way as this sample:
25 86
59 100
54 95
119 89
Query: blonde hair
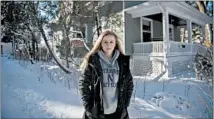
97 47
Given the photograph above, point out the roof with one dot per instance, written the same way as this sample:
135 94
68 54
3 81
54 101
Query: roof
179 9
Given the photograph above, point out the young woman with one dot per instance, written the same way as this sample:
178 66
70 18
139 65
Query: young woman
106 85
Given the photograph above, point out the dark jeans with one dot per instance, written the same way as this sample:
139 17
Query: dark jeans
118 115
115 115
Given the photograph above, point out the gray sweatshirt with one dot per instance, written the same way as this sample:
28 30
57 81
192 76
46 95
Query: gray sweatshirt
110 70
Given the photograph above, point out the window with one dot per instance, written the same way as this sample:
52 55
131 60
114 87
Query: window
146 29
146 26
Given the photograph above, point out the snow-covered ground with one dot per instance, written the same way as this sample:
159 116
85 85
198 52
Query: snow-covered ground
41 90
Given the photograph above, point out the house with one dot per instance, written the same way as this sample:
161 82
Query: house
151 33
6 48
6 45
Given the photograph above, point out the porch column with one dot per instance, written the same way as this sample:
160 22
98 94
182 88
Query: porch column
165 20
189 28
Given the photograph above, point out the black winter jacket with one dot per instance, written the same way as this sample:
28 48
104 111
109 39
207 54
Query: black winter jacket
90 87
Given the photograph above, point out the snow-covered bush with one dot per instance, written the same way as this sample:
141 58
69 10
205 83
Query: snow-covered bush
204 65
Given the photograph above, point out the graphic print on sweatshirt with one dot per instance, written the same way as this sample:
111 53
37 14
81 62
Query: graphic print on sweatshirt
110 70
110 77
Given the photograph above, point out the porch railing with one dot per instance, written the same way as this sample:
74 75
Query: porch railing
148 48
199 48
178 47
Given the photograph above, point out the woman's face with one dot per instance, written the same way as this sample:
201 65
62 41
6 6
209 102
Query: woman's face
108 44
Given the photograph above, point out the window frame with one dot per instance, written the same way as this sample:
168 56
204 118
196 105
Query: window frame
141 27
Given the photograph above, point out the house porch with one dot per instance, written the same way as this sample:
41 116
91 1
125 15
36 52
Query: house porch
156 44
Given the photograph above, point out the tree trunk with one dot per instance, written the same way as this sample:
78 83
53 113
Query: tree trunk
33 42
96 18
33 48
202 8
37 51
66 46
28 50
97 24
67 54
51 52
69 47
13 47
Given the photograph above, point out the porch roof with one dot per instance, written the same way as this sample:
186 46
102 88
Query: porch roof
179 9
